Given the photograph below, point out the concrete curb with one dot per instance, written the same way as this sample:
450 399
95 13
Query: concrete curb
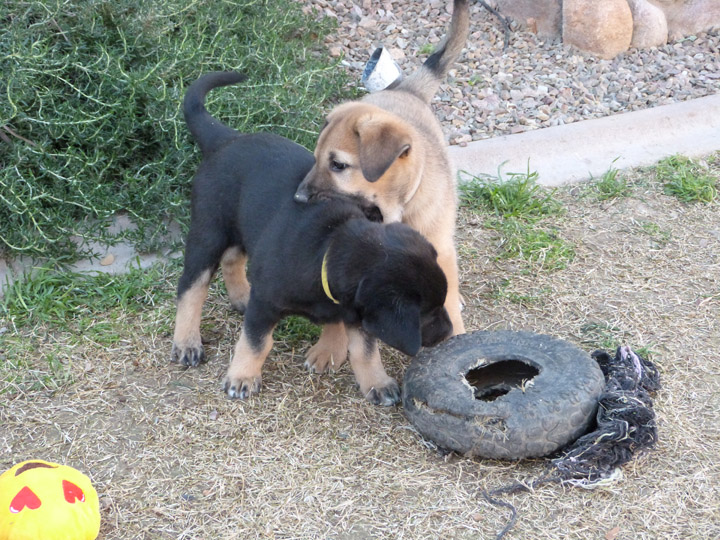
575 152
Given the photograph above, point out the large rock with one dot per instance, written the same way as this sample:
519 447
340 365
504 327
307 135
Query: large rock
601 27
687 17
543 17
650 27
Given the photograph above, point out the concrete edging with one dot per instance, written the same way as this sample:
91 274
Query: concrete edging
574 152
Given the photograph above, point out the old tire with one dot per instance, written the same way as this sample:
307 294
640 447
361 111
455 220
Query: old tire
507 395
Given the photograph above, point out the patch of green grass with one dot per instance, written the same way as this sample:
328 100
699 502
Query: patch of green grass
687 180
22 367
48 315
466 251
714 160
517 204
503 290
475 80
517 196
90 97
602 335
70 300
541 247
610 185
662 237
645 352
296 331
426 48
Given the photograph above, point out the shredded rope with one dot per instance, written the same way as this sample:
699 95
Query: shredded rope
625 426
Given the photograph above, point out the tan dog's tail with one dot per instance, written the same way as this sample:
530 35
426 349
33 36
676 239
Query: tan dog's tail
207 131
426 80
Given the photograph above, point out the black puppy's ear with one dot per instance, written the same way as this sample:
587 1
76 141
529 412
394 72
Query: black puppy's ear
396 323
399 327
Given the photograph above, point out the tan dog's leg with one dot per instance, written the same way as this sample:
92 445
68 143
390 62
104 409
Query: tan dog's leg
447 259
233 268
187 346
376 385
244 376
331 350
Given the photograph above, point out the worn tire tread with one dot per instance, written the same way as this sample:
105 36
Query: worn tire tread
556 409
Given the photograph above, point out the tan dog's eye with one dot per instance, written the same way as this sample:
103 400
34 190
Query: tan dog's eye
338 166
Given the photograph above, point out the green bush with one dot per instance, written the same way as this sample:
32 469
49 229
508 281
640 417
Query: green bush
90 118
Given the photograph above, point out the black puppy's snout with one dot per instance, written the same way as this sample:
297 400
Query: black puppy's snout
438 328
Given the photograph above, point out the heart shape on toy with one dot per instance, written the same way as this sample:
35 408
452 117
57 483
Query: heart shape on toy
24 499
72 492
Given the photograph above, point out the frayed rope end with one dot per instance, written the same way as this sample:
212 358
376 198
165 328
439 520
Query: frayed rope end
625 425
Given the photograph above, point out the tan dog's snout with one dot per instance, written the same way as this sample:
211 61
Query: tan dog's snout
303 194
307 187
367 152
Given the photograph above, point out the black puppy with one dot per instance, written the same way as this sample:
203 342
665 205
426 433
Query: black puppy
325 260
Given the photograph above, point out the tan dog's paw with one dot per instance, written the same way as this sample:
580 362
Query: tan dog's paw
321 358
239 304
331 350
242 388
238 287
188 354
385 395
239 296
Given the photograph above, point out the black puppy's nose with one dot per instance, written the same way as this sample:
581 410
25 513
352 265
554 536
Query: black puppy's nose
302 195
438 328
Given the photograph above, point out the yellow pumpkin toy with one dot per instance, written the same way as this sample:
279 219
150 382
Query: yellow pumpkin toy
46 501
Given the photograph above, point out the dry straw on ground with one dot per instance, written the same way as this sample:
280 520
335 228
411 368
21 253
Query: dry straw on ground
172 458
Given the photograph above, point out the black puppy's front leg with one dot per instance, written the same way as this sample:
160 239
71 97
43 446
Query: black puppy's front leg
244 376
376 385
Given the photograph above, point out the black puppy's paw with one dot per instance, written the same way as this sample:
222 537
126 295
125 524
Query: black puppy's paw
242 388
188 355
385 396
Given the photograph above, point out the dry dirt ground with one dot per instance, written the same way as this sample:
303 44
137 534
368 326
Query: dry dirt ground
173 458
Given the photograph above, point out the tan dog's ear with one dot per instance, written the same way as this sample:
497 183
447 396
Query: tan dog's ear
381 143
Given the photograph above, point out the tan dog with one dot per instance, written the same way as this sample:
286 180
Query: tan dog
390 149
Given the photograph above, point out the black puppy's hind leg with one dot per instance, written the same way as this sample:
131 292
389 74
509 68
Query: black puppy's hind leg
201 261
244 375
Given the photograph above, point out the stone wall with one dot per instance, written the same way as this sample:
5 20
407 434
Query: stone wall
606 28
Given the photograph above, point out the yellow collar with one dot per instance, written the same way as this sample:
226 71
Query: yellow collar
324 278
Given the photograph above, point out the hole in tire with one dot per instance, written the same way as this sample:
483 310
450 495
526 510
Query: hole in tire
497 379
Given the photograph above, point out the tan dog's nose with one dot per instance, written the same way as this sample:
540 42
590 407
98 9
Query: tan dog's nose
302 195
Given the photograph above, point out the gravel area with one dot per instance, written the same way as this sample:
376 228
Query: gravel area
533 83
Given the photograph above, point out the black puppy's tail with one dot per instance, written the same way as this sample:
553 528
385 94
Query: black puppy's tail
426 80
206 130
